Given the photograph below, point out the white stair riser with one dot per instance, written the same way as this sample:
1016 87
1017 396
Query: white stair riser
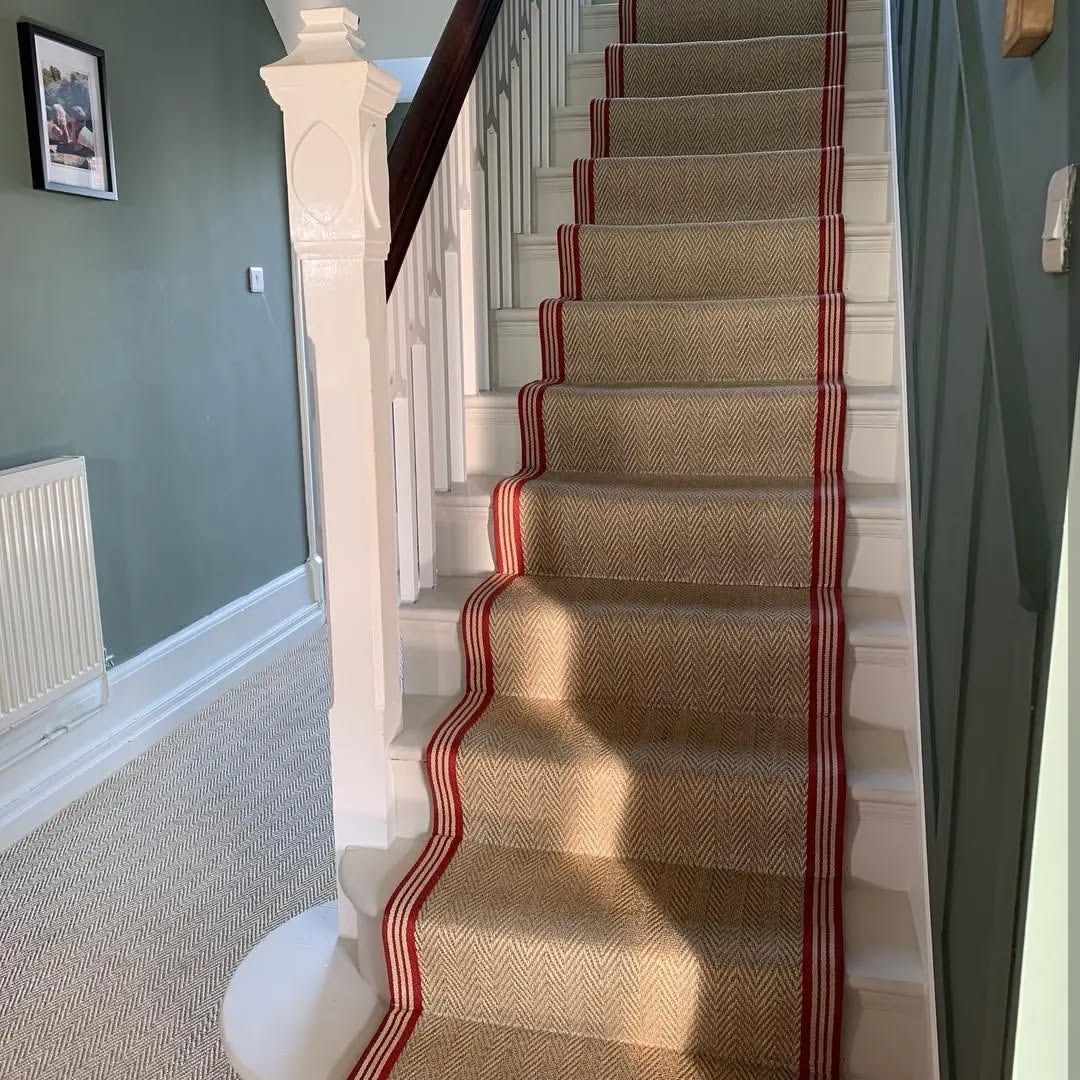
600 23
865 132
866 198
869 358
873 550
585 73
492 443
880 1029
880 836
878 680
868 269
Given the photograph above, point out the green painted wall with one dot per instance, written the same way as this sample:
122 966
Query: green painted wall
395 120
126 331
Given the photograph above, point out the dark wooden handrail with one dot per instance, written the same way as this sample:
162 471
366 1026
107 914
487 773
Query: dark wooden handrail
429 123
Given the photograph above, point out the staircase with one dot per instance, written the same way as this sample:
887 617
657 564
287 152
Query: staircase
566 807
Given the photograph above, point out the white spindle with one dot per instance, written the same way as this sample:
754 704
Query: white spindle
559 23
471 264
425 479
405 492
460 264
440 404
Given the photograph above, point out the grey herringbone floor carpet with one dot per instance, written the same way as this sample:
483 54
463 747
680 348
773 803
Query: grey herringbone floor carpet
123 917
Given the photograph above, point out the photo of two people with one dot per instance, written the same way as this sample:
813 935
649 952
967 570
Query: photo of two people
68 109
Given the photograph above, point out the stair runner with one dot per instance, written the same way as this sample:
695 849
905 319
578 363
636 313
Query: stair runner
636 861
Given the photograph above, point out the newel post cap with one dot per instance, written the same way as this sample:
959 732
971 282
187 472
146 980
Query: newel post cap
328 57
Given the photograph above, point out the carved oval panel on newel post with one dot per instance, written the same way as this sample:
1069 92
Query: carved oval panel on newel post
322 173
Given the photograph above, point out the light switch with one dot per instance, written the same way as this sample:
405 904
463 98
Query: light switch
255 279
1056 229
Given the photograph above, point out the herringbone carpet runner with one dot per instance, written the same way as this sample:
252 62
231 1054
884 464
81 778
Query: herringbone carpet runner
637 856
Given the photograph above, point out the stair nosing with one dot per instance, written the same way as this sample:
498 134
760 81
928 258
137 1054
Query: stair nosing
851 97
860 399
851 231
565 172
856 311
358 882
407 748
855 42
603 11
864 502
443 604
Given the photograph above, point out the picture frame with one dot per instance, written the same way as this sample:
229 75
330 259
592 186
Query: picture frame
68 122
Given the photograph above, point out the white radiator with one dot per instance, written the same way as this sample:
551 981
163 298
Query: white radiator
50 622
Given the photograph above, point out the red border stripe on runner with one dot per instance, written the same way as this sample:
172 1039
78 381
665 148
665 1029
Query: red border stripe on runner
402 912
832 93
614 71
823 967
568 243
552 342
584 191
599 127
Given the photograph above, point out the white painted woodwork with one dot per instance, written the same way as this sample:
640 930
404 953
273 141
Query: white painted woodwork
434 349
871 455
869 356
868 266
865 69
334 106
874 550
866 193
600 22
885 984
924 1054
866 127
461 265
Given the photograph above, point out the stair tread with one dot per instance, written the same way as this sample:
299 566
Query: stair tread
537 240
851 97
859 398
605 11
456 1048
865 501
858 309
854 41
881 950
872 619
878 769
565 172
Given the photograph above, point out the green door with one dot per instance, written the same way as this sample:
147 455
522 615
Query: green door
992 349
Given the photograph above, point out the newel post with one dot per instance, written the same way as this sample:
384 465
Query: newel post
334 105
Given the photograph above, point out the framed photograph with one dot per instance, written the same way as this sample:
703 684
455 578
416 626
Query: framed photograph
67 113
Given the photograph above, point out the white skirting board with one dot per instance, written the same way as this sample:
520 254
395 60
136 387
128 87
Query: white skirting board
85 737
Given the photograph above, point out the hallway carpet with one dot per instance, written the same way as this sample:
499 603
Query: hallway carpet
636 862
123 918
